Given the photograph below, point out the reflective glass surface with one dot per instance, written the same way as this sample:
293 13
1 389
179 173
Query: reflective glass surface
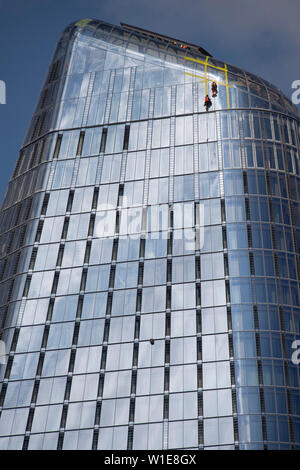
149 254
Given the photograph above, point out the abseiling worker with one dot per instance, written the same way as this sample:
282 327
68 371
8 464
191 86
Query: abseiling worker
207 102
214 89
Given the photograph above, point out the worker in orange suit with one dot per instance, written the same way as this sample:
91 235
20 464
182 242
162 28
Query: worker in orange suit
207 103
214 89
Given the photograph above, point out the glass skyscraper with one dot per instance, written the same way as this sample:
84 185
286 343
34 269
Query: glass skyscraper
149 270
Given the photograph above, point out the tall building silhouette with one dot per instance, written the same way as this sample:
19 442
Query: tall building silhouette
149 271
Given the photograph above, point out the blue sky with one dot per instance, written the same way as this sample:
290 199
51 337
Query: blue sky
262 36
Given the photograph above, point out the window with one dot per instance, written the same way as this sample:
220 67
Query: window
217 403
184 130
209 185
159 164
148 409
183 296
183 350
208 156
213 293
135 166
183 269
218 431
126 275
154 272
183 188
184 160
215 347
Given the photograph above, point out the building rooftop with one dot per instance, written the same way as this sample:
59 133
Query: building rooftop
167 39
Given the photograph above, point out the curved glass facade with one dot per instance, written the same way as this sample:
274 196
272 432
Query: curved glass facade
149 270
